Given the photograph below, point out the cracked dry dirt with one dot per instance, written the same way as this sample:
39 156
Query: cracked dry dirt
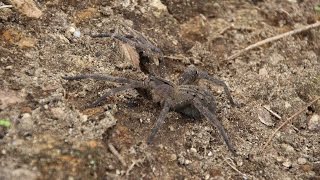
53 135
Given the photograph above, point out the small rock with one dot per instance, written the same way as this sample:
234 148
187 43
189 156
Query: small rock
171 128
275 58
263 72
287 164
279 159
58 113
3 151
196 29
287 105
107 11
193 150
302 161
187 162
173 157
314 123
25 125
8 67
287 148
27 7
77 33
210 153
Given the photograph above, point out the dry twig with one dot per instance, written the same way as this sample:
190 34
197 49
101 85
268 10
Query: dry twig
288 120
6 6
260 43
272 112
117 154
234 167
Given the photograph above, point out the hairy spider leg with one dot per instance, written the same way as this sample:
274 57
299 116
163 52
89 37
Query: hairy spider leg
191 74
103 78
111 92
160 121
211 117
130 84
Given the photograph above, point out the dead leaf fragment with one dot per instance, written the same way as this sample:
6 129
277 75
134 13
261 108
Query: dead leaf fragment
130 54
85 14
27 7
16 37
265 117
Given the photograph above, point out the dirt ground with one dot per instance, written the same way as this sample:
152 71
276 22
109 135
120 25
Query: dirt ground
53 136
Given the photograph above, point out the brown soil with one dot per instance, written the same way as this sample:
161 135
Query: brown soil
52 135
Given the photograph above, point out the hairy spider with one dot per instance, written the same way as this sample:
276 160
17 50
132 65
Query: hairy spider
185 98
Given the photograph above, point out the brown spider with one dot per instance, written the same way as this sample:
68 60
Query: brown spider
187 99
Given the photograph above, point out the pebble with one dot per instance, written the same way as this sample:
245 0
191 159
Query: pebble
3 151
26 124
77 33
314 123
173 157
193 150
288 147
263 72
58 113
187 161
8 67
287 164
210 153
302 161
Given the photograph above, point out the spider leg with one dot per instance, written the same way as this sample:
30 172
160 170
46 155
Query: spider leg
204 75
191 74
160 121
213 119
103 78
110 93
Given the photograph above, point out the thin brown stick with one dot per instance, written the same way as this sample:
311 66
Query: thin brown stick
233 166
295 31
288 120
117 154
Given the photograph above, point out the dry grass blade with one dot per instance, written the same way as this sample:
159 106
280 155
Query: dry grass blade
288 120
260 43
117 154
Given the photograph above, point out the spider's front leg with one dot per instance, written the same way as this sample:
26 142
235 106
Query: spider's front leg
209 114
192 74
160 120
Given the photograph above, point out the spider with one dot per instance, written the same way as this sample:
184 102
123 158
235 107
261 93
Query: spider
183 97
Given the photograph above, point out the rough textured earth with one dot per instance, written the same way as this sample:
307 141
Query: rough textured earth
53 136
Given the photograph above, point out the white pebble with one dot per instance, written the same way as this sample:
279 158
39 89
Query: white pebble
302 161
287 164
314 123
187 162
173 157
77 33
193 150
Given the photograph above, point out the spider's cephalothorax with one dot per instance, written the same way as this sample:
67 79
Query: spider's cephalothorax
183 97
